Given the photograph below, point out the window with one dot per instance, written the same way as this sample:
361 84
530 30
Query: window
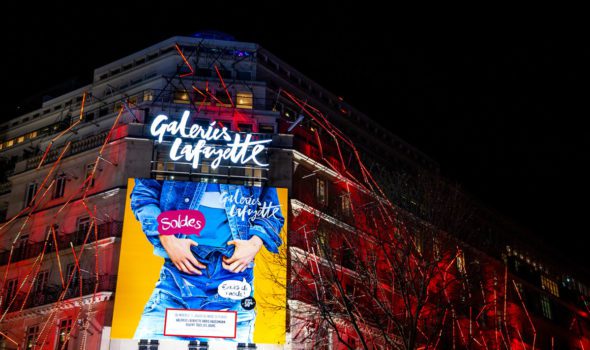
321 191
65 327
30 194
60 186
41 282
83 224
266 128
244 127
73 273
254 176
148 95
549 285
348 259
221 97
89 182
244 100
181 96
545 306
11 288
71 269
31 337
345 204
23 240
461 262
436 254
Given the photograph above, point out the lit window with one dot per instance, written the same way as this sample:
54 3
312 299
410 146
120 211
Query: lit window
419 242
546 306
436 249
20 139
181 96
254 175
148 95
244 100
550 286
31 337
9 143
346 204
30 193
321 191
65 327
461 262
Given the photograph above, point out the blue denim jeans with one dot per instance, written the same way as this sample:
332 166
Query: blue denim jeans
177 290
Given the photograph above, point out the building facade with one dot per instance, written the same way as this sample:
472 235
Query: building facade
62 203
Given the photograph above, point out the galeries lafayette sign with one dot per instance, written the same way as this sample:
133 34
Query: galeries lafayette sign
206 143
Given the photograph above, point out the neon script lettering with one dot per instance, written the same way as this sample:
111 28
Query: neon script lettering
236 149
188 222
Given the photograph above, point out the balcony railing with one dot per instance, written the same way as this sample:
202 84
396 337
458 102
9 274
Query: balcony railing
51 293
27 251
75 148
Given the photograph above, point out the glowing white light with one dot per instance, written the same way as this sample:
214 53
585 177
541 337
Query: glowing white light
238 151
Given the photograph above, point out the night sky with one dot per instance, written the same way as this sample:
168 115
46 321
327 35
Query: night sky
501 110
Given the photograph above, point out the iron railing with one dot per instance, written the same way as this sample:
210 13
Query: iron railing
31 250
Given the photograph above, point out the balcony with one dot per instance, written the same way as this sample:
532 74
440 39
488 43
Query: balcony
32 250
75 148
51 293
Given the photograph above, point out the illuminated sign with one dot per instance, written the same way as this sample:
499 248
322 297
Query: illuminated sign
237 150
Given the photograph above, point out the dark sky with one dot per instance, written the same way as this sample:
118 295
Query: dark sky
501 109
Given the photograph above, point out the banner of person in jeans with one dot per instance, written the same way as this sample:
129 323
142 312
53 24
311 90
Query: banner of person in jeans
202 261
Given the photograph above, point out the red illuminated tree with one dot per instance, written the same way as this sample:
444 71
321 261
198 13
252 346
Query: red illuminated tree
395 279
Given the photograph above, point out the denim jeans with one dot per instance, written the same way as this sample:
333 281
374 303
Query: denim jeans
178 290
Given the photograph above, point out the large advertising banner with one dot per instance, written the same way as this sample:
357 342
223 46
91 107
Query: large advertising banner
202 261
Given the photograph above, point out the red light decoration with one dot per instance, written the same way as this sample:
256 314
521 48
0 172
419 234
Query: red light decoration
223 84
185 61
